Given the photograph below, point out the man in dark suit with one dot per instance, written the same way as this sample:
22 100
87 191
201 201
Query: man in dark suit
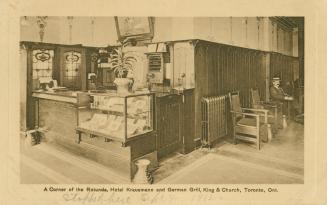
278 95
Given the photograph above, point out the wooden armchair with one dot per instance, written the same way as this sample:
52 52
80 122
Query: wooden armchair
273 117
249 124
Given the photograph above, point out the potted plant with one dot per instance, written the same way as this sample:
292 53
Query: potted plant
122 63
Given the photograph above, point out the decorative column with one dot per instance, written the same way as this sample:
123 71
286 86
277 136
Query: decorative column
267 35
92 27
42 23
231 30
70 23
301 51
258 23
244 29
267 44
274 37
295 38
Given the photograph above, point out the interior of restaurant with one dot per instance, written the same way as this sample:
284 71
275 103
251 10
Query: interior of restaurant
161 100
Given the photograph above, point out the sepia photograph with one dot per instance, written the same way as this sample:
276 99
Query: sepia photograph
162 100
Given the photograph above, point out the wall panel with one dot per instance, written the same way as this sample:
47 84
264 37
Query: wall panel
221 68
283 66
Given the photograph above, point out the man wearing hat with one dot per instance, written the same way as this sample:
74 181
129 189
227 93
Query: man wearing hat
277 94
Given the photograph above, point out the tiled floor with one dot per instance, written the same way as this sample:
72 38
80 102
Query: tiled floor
283 156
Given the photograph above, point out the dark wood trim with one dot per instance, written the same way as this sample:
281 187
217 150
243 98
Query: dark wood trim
56 68
188 122
42 44
197 42
30 111
30 101
193 41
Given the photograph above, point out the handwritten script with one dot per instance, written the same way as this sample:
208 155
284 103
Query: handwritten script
91 197
114 198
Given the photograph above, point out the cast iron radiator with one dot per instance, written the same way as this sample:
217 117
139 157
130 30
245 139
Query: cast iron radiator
214 119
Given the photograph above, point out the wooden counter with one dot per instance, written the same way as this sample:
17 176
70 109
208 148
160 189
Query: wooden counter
63 96
57 113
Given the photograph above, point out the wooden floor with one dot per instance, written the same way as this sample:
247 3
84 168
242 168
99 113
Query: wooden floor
283 156
48 164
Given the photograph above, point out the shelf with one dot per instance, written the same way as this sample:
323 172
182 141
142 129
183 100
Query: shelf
125 95
100 134
119 113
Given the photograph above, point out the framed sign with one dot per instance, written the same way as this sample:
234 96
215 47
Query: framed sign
139 28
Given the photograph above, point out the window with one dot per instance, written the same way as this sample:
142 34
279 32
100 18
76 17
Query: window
42 63
72 65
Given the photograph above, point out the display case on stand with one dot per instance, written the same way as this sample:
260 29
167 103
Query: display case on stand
117 117
121 124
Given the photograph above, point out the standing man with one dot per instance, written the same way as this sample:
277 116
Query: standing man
278 95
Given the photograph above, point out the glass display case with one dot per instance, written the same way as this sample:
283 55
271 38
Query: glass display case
117 117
